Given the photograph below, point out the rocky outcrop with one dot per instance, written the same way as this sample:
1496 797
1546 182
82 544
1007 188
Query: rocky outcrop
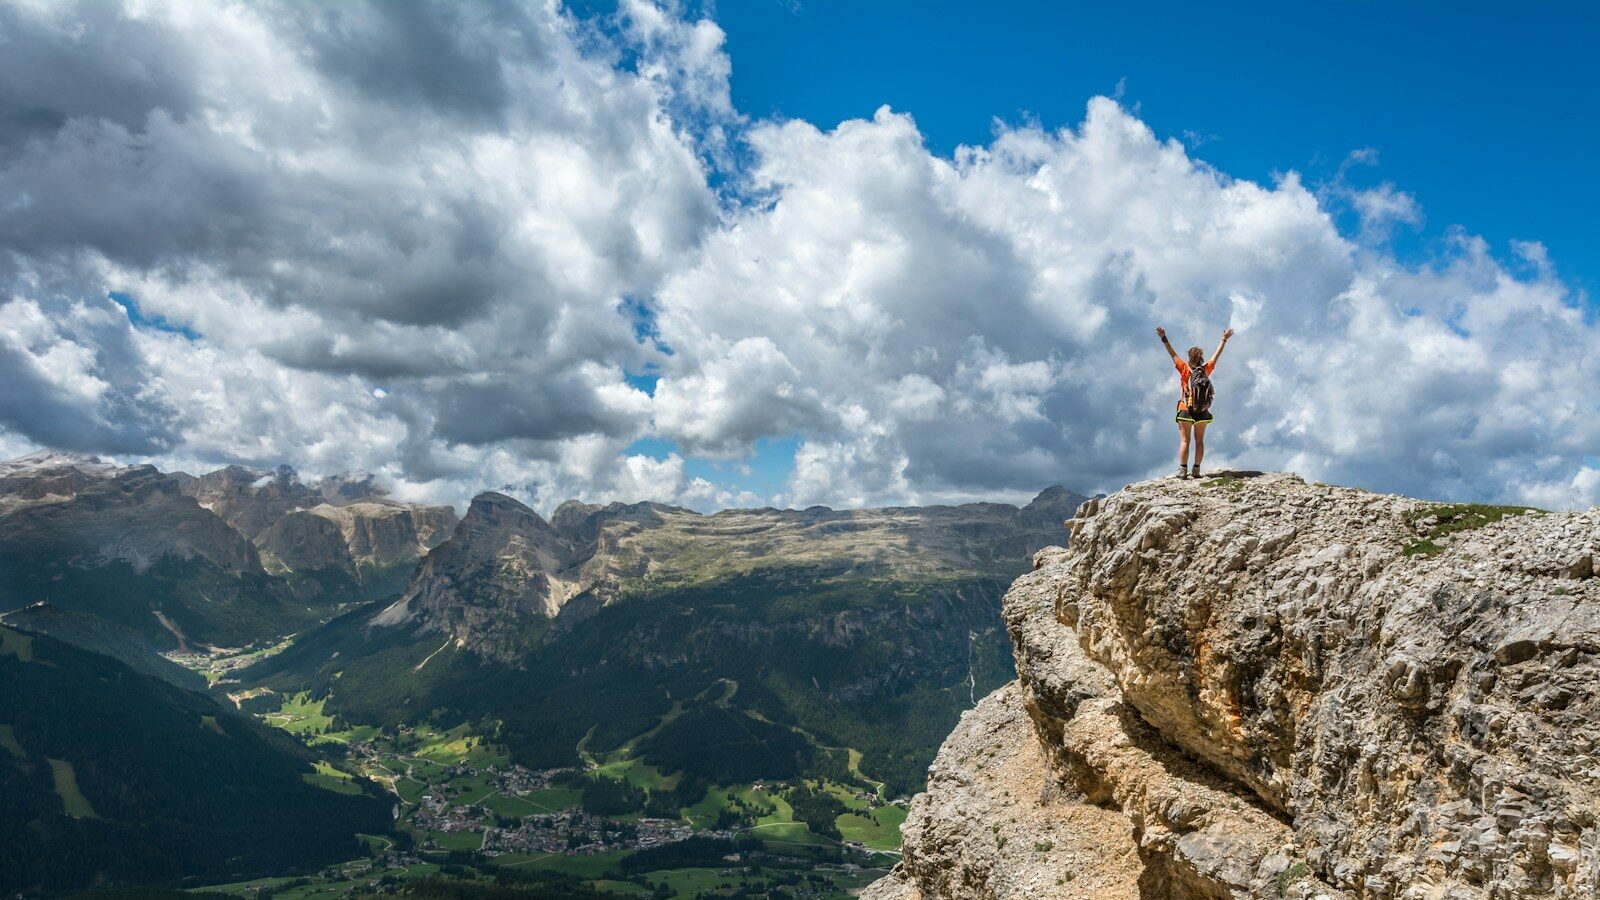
1293 690
993 823
251 500
302 541
506 575
494 583
336 539
127 544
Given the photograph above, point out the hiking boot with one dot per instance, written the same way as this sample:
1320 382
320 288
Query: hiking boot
1183 472
1194 471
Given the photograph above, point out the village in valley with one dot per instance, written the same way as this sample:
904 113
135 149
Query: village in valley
461 805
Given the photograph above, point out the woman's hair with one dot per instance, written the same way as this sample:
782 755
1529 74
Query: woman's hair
1197 357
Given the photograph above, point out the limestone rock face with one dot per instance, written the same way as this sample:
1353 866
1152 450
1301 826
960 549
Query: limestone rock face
82 512
433 524
251 500
302 541
126 544
1286 690
382 534
494 579
337 538
993 823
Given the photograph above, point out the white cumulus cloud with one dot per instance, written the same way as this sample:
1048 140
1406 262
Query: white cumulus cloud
442 243
989 318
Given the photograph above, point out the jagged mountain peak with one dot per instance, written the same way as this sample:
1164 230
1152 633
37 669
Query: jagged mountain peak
494 520
497 581
498 508
1053 505
574 515
1051 494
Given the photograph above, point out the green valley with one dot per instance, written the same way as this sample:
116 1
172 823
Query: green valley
615 824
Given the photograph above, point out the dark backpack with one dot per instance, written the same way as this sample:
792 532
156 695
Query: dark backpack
1200 390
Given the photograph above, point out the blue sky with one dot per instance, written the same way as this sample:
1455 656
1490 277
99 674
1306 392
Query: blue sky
1489 114
457 248
1489 120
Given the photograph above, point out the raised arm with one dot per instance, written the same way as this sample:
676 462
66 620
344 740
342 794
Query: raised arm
1162 333
1220 347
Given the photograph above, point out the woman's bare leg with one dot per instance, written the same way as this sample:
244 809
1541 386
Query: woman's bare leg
1199 442
1183 444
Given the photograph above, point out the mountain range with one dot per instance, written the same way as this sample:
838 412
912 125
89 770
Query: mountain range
226 559
868 629
729 647
340 537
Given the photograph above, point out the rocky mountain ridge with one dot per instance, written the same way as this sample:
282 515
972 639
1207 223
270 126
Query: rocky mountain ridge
338 536
1252 687
867 629
126 543
228 558
78 503
506 573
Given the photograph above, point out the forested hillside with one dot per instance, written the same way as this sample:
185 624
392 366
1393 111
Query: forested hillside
112 777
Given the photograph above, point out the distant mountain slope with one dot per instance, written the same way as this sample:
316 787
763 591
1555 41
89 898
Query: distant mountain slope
495 583
226 559
865 628
127 545
97 635
111 777
339 539
506 572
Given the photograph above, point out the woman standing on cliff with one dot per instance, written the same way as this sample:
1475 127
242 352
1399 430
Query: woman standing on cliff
1194 406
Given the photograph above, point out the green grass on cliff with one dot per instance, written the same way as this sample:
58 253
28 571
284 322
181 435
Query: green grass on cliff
1452 519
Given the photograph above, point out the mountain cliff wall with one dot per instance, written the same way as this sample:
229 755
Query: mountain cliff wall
1251 686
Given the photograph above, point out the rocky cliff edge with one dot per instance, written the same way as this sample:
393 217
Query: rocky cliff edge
1253 687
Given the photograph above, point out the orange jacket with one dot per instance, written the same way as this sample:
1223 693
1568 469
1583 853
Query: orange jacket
1183 380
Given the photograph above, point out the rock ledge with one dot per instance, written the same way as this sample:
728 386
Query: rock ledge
1249 686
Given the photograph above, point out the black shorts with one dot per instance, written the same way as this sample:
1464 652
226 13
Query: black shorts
1186 414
